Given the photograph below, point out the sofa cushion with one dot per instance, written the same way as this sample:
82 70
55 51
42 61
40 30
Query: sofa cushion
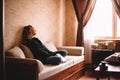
72 50
15 52
51 70
27 51
50 46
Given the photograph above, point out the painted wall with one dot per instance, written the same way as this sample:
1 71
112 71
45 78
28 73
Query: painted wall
71 24
54 21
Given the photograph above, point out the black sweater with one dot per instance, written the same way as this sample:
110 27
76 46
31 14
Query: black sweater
38 49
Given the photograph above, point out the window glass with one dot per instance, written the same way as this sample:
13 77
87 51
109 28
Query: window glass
103 17
101 21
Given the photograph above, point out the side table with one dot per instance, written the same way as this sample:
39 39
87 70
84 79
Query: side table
99 55
111 70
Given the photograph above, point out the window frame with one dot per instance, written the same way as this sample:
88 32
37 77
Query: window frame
114 36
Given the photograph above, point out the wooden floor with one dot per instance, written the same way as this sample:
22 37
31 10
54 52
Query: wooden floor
90 75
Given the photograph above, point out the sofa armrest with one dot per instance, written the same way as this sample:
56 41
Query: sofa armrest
72 50
22 69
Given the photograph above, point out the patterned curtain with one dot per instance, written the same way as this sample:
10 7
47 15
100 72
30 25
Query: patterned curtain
116 5
83 9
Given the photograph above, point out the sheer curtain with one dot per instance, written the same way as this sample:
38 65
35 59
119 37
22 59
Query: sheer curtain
83 9
99 25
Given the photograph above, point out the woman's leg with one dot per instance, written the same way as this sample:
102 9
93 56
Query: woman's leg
53 60
62 52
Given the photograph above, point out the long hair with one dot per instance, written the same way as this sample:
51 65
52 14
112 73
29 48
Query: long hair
25 33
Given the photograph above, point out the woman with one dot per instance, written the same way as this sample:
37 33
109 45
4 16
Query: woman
38 49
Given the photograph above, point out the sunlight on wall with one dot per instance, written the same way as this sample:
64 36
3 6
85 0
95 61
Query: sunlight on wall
45 19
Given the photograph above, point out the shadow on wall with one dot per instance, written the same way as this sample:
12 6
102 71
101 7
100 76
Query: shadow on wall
18 37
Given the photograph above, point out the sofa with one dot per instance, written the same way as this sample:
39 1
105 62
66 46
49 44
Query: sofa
21 65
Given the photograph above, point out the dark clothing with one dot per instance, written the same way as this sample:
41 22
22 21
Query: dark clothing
41 52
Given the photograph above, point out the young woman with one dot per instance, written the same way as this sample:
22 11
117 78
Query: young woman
38 49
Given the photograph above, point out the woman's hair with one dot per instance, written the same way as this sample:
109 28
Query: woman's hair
26 33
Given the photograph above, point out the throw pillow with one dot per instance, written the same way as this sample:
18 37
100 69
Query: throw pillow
50 46
15 52
27 51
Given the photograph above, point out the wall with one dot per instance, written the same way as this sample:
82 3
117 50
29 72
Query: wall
54 21
70 23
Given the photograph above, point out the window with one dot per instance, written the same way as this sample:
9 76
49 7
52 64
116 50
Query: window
102 24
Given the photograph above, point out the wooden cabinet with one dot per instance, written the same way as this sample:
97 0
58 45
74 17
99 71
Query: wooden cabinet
99 55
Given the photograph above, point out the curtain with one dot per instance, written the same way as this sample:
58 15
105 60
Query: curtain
83 10
116 5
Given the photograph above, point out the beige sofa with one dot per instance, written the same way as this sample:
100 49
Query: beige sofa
21 65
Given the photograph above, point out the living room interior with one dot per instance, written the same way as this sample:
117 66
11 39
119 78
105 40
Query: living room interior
64 23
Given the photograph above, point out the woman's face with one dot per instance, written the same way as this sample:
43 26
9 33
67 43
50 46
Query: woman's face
32 31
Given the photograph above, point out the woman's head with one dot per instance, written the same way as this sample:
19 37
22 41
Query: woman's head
28 32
